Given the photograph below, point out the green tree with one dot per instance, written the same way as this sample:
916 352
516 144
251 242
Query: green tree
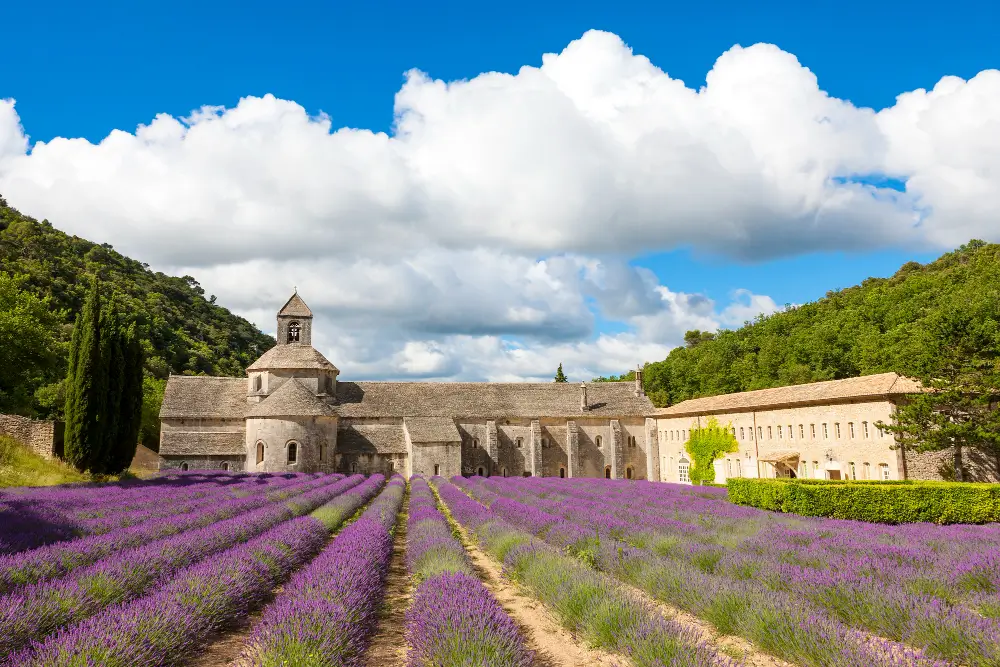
961 408
707 444
560 376
29 344
130 412
87 389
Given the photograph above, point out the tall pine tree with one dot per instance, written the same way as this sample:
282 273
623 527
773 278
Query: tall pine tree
130 404
560 376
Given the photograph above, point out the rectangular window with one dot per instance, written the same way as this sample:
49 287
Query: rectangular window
836 430
739 468
729 467
437 469
760 432
854 470
682 473
812 431
802 432
779 433
790 436
864 428
741 433
868 471
850 429
883 469
815 467
802 469
826 433
770 434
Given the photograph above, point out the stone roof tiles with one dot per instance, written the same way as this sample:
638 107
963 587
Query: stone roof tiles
202 396
291 399
487 400
371 439
293 356
867 386
202 443
431 429
295 307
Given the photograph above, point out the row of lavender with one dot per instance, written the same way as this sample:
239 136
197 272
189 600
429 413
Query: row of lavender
33 517
585 601
454 620
174 618
806 590
31 612
328 611
60 558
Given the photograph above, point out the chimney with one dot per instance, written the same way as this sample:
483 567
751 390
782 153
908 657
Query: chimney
584 406
638 381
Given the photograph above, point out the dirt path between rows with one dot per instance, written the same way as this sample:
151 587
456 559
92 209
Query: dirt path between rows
388 646
728 644
225 647
554 645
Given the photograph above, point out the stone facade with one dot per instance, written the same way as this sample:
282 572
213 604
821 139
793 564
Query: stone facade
823 430
44 438
293 401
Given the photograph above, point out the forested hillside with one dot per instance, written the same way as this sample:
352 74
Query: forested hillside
44 277
908 323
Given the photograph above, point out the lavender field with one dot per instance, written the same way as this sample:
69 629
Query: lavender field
326 569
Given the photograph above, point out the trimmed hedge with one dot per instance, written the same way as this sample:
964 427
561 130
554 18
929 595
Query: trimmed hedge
873 501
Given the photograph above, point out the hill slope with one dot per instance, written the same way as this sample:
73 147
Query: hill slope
884 324
183 332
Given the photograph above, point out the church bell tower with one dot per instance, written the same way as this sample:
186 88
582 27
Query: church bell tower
295 322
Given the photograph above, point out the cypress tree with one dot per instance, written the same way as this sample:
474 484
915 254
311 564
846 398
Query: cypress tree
86 384
113 356
129 415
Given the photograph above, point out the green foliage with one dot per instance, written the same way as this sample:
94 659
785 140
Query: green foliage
624 377
560 376
105 389
179 330
87 388
705 445
873 502
32 343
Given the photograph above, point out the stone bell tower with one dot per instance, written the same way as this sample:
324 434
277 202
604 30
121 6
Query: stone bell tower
295 322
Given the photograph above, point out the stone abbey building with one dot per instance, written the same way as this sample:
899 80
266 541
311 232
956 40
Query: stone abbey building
293 413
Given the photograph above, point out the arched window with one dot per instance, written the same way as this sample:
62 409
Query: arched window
480 471
628 472
293 452
562 472
519 442
225 465
475 443
597 441
607 472
293 332
260 452
184 466
354 466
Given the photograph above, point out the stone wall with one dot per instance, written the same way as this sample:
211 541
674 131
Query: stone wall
203 462
976 466
44 438
315 438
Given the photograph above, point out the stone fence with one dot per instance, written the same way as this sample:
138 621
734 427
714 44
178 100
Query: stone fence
45 438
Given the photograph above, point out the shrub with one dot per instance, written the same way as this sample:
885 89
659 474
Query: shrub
874 502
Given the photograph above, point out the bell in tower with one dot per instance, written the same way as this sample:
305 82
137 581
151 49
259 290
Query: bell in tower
295 322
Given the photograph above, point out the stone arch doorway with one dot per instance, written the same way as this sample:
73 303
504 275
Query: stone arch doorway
628 472
562 473
479 471
607 472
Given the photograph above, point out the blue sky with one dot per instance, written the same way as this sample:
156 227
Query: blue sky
82 71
